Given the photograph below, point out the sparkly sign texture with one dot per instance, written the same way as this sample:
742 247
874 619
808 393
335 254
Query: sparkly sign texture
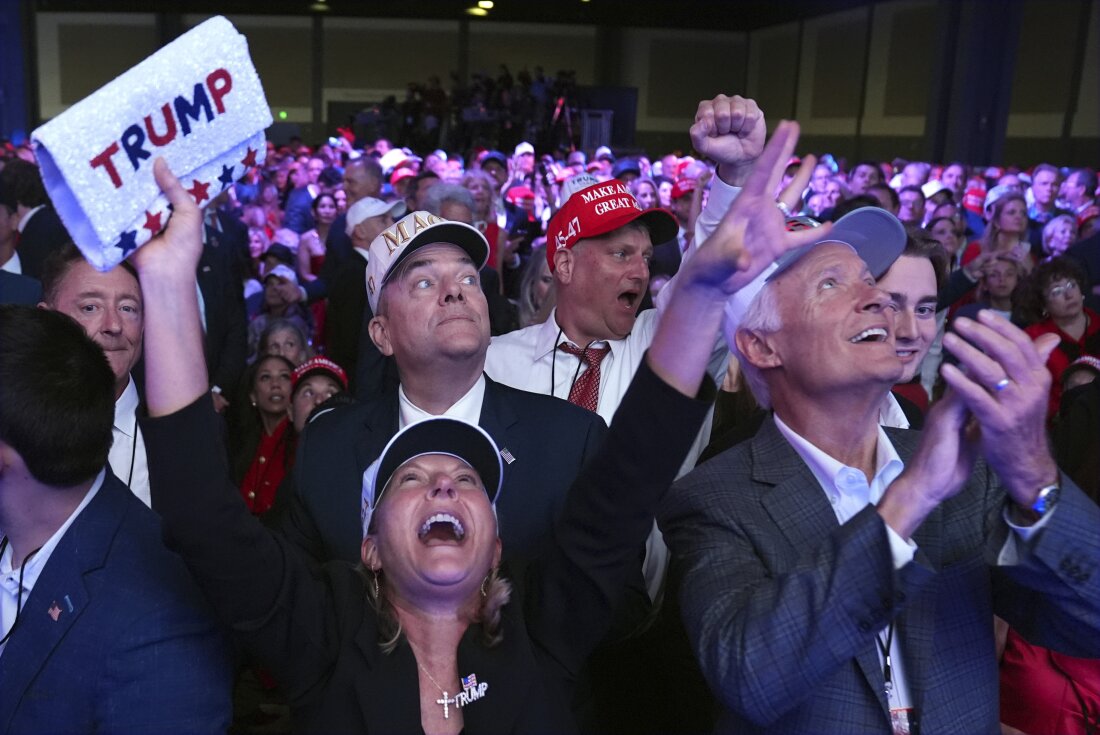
197 102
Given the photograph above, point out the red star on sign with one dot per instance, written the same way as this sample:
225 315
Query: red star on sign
249 159
198 191
152 222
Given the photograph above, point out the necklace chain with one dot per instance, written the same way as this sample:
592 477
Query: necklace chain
431 678
447 699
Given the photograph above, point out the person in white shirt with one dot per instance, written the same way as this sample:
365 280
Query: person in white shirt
109 308
601 268
598 246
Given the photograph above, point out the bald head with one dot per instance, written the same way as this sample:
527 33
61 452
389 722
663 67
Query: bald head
362 178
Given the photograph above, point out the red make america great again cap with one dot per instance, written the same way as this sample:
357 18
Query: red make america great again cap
599 208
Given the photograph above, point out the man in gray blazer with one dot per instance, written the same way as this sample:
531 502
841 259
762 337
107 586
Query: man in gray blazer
839 577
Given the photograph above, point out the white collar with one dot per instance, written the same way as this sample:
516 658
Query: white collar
546 340
364 252
13 264
126 410
890 413
831 473
466 408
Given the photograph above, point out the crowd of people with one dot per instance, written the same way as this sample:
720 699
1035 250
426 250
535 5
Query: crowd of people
413 439
485 111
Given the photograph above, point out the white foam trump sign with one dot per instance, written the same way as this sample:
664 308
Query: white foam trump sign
197 102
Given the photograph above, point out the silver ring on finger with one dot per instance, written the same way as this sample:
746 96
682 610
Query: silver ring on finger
1002 384
784 208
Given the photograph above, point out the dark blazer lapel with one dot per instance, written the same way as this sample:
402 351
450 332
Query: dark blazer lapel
795 502
60 595
381 418
797 505
497 413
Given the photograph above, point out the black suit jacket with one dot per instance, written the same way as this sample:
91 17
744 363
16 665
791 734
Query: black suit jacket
220 280
17 289
43 235
314 629
347 316
549 440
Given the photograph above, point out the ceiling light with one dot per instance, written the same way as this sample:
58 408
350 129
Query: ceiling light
319 6
485 4
480 12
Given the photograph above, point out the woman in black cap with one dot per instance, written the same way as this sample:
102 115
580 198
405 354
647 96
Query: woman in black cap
429 637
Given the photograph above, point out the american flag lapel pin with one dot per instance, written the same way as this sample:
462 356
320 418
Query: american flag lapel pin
54 611
508 458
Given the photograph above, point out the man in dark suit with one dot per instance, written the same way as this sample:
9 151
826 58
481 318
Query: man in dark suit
225 244
838 577
431 316
40 230
103 629
362 179
348 310
299 203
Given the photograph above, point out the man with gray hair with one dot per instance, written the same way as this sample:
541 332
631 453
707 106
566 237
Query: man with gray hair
836 576
450 201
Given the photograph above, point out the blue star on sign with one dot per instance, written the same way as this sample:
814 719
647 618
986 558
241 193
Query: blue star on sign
127 242
227 177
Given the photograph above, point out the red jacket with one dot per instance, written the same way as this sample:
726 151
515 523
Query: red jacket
1067 351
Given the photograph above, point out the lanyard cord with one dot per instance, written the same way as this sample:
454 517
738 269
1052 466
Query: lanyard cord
554 364
133 454
19 596
884 648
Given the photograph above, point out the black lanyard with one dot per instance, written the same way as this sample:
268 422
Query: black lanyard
19 596
133 453
554 364
884 647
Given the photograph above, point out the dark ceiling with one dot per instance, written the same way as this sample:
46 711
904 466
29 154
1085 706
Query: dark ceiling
738 15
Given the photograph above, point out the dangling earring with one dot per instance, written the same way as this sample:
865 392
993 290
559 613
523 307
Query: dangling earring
377 586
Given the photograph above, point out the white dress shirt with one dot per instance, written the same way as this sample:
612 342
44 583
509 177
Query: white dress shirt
13 264
10 570
467 408
848 493
528 358
127 457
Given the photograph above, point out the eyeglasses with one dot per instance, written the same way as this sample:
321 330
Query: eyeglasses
1062 289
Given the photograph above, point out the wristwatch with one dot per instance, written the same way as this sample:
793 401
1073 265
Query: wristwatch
1046 499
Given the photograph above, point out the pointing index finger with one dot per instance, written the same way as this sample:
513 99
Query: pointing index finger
769 167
